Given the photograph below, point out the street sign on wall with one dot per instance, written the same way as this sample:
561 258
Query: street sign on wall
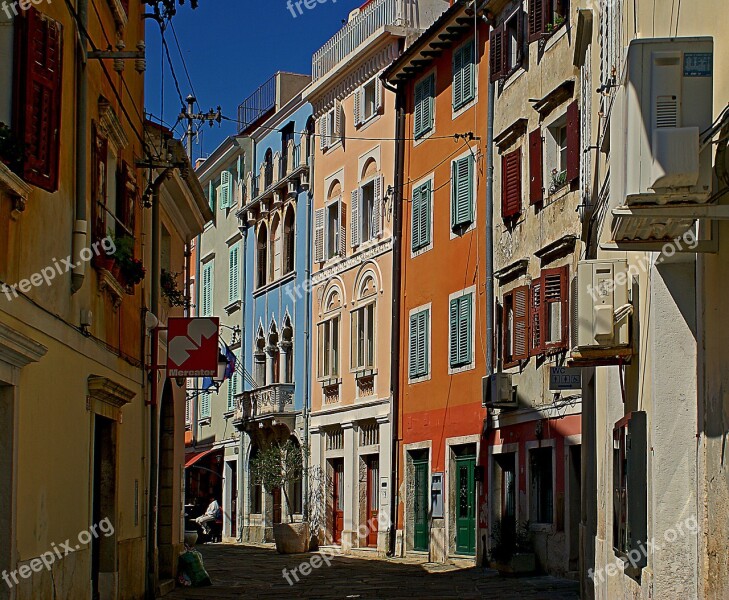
563 378
192 347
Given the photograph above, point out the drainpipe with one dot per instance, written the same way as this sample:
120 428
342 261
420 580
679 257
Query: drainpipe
198 281
490 232
80 224
396 284
241 441
154 415
307 332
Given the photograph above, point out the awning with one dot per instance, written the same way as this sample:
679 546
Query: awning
193 457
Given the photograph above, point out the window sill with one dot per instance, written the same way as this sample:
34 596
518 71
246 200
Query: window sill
419 379
206 421
418 139
362 125
414 253
233 307
464 108
551 38
274 284
229 414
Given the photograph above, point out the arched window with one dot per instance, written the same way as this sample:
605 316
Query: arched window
273 354
259 357
268 172
276 249
289 241
287 349
364 321
262 257
310 128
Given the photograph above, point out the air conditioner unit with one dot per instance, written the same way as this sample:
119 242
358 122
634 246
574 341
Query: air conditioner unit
601 313
498 391
663 104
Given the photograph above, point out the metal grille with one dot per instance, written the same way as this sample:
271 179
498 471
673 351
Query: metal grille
335 439
369 434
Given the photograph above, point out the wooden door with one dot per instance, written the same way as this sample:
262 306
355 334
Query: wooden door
466 505
373 499
276 505
338 501
421 540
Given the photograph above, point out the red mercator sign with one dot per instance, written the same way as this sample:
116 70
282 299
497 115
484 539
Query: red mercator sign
192 347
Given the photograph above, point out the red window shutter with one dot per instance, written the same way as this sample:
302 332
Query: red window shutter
37 104
520 344
506 333
496 53
511 184
535 309
573 142
99 179
555 284
536 183
536 19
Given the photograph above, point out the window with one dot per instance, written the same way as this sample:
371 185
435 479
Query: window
555 308
464 75
462 209
330 126
515 326
205 405
329 348
363 337
225 190
207 288
507 46
262 257
234 385
556 159
37 102
511 184
366 212
289 241
367 101
541 497
188 418
424 105
630 508
546 17
461 330
234 273
333 229
419 354
276 265
422 207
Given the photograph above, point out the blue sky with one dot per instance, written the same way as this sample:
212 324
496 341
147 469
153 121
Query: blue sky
231 47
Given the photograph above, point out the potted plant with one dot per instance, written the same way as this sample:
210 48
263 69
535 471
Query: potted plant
169 290
11 150
559 180
278 467
512 552
127 269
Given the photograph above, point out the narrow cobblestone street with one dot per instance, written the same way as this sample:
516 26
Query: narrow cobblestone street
256 572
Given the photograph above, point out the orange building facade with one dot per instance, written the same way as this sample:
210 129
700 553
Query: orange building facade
442 325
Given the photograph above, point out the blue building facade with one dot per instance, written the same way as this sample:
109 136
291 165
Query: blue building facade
276 318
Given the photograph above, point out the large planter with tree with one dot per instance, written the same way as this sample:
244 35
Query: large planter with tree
278 467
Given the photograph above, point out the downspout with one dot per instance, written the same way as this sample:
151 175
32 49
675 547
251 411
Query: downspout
198 280
80 223
307 332
241 441
396 284
154 415
490 232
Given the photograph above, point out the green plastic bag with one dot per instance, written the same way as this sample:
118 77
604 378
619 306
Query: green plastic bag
190 565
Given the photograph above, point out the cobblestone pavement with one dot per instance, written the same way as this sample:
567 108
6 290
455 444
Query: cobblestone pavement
256 572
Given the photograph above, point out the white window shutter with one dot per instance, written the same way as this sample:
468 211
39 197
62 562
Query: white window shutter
319 217
337 129
377 208
323 131
358 106
356 228
342 228
378 95
225 189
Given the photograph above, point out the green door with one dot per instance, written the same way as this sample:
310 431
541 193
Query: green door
466 505
421 508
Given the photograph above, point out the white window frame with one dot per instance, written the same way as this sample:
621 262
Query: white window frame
321 376
362 96
354 339
327 208
528 447
415 311
472 365
552 154
474 195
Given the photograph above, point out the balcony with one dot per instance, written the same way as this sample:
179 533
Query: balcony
276 400
257 104
374 17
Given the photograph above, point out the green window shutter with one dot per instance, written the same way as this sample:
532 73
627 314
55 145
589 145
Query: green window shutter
412 358
426 200
225 189
211 196
234 270
453 326
205 405
422 356
418 125
423 109
469 72
416 241
465 315
462 201
207 299
457 79
429 102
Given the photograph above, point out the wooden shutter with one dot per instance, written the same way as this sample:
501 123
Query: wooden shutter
465 326
342 228
462 200
506 334
319 224
555 290
211 197
458 79
378 95
207 289
377 206
496 53
429 102
337 129
536 178
37 103
421 216
126 196
469 72
535 308
573 142
356 227
413 355
511 184
415 241
520 343
453 327
323 135
359 92
233 271
225 185
422 356
537 22
418 109
99 178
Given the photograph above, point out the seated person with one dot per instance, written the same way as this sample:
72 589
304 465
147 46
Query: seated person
210 515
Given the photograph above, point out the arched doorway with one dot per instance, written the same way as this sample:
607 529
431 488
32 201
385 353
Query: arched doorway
165 509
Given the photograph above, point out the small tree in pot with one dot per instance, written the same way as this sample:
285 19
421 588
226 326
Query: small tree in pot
279 466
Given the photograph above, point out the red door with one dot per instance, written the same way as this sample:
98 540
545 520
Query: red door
276 505
338 501
373 499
